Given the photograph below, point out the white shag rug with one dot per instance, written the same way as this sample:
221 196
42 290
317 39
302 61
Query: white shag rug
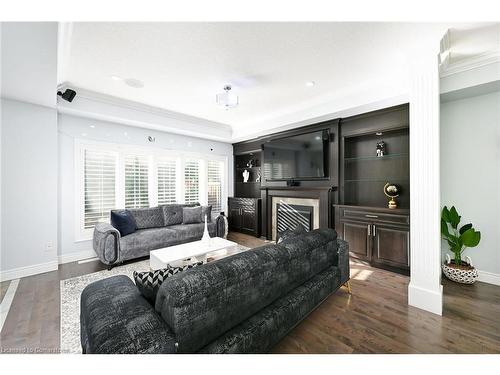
71 289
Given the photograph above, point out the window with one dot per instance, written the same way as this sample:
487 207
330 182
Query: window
136 181
214 177
99 186
111 176
192 181
167 180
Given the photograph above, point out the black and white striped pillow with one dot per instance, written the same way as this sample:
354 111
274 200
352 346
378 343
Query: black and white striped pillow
149 282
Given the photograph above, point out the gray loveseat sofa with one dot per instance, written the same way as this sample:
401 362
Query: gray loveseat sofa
244 303
157 227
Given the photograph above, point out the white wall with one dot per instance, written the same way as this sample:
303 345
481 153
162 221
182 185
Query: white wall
72 127
470 173
28 148
29 189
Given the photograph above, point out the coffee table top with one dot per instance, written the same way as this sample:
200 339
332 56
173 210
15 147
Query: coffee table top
162 257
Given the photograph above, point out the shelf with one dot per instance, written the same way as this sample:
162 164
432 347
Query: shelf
249 182
389 179
254 167
389 156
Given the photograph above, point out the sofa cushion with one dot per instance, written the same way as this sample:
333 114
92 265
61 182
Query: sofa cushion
202 304
172 213
123 221
191 215
149 282
192 232
206 211
150 217
143 241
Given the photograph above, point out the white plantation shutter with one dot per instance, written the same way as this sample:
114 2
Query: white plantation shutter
191 181
214 176
136 181
99 186
167 180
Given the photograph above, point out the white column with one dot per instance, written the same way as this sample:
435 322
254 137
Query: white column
425 290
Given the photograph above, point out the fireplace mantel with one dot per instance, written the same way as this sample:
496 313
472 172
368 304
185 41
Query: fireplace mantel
322 194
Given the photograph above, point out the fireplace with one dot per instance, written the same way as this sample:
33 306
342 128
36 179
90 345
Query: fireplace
287 212
289 216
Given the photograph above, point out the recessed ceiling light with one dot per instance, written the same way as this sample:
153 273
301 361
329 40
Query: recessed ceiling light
92 126
135 83
310 83
318 138
378 133
116 78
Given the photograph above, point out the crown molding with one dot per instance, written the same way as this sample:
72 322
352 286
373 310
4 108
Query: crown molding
105 107
448 68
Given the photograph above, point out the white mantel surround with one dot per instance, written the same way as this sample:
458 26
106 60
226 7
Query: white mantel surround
298 201
425 290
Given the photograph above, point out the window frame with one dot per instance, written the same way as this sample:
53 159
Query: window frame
153 153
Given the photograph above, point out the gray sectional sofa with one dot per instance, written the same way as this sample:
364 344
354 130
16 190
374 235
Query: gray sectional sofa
244 303
157 227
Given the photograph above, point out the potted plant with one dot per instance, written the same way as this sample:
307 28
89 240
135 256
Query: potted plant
459 239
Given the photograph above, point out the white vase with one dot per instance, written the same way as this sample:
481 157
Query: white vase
206 236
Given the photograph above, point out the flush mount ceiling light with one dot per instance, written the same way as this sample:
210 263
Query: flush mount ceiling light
310 83
227 99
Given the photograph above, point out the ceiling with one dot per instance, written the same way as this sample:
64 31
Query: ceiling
184 65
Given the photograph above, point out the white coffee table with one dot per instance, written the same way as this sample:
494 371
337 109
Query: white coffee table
176 255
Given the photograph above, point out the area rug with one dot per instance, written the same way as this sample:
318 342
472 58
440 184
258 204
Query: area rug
71 290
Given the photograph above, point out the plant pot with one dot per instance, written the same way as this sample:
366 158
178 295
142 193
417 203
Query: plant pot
464 273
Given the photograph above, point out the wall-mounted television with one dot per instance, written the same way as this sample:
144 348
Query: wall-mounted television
298 157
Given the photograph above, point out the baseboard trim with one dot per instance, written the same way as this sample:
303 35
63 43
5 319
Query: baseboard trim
426 299
17 273
488 277
75 257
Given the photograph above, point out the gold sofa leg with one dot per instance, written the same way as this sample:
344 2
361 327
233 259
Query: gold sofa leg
348 286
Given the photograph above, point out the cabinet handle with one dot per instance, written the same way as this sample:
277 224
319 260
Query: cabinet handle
369 229
374 230
373 216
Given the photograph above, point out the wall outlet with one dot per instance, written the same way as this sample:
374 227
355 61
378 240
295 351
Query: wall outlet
49 247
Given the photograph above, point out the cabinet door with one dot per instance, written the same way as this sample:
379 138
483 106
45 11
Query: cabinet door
358 237
234 217
391 246
248 220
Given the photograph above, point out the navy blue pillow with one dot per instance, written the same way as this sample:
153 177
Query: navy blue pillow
123 221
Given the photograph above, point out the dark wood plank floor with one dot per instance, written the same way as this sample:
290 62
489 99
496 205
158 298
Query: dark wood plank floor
374 319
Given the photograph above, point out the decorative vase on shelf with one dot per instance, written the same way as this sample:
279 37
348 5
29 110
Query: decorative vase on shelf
246 175
206 237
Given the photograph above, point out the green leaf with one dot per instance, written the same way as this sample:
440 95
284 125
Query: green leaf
464 228
470 238
454 217
444 228
445 214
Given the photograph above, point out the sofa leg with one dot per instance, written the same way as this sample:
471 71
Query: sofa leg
110 267
348 286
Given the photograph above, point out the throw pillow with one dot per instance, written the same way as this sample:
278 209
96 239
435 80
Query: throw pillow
149 282
123 221
206 210
289 233
191 215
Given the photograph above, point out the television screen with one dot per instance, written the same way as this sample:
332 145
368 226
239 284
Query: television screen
302 156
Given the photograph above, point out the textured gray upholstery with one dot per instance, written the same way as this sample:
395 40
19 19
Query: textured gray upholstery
151 217
253 335
191 215
244 303
200 306
116 318
141 242
111 248
172 214
185 232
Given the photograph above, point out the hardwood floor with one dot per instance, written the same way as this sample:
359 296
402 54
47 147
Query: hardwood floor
374 319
